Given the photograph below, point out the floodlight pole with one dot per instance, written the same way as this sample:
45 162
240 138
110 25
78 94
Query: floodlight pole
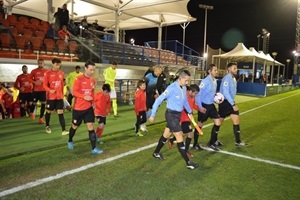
287 67
205 7
274 54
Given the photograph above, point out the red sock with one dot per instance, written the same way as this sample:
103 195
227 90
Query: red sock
99 132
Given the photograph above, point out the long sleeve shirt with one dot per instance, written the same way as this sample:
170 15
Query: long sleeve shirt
83 86
207 92
176 99
228 88
54 80
110 77
71 78
102 104
140 101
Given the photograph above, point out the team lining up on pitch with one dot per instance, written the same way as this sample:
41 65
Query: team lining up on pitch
48 88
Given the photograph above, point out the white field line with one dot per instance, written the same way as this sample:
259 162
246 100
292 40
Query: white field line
101 162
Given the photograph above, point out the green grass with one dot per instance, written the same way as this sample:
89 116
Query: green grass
272 131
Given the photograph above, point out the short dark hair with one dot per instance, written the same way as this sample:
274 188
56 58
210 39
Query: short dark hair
183 73
89 62
106 87
24 66
209 67
41 60
114 63
231 64
77 67
56 60
193 88
141 82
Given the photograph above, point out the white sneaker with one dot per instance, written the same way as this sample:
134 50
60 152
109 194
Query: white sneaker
65 133
143 128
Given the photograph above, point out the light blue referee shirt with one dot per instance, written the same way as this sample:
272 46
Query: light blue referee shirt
208 88
176 99
228 88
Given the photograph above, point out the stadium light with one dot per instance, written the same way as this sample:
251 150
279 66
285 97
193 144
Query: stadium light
205 7
274 54
287 67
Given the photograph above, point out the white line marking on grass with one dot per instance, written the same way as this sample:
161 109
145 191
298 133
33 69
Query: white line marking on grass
66 173
256 159
101 162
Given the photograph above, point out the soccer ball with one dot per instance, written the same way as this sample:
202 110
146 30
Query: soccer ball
218 98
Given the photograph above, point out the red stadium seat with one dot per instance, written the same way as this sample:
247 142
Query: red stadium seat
35 22
50 44
73 46
20 41
27 33
36 43
19 26
40 34
62 46
6 40
12 19
24 20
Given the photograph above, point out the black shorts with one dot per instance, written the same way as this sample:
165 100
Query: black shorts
211 112
54 104
101 119
226 109
87 115
186 127
150 101
173 120
39 96
25 97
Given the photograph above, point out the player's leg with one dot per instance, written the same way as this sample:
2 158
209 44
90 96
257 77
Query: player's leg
42 98
50 106
214 115
22 104
235 118
113 96
202 117
101 122
59 105
77 117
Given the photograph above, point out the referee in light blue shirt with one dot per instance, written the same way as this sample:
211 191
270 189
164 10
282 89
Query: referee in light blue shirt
228 107
205 101
175 94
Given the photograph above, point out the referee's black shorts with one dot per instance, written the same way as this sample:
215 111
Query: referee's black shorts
87 115
226 109
211 112
173 120
186 127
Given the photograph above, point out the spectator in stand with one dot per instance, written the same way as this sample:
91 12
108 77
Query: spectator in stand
63 16
64 34
95 25
56 18
24 84
52 32
2 9
84 22
72 27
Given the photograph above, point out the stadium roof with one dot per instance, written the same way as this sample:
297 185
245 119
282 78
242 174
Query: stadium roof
132 14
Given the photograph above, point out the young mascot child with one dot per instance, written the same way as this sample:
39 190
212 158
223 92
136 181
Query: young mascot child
140 107
102 109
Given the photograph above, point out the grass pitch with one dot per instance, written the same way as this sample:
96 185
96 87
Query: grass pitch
271 125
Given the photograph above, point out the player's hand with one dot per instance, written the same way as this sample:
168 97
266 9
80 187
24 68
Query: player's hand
52 91
235 108
202 110
88 98
151 119
108 113
156 96
22 89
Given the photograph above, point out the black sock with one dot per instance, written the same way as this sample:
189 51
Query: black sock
71 134
196 136
62 121
47 118
31 108
214 134
137 124
187 143
182 151
236 131
93 138
162 140
22 110
42 112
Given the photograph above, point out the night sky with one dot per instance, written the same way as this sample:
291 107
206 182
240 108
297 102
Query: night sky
233 21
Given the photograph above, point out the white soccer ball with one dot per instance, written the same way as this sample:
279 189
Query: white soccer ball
218 98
